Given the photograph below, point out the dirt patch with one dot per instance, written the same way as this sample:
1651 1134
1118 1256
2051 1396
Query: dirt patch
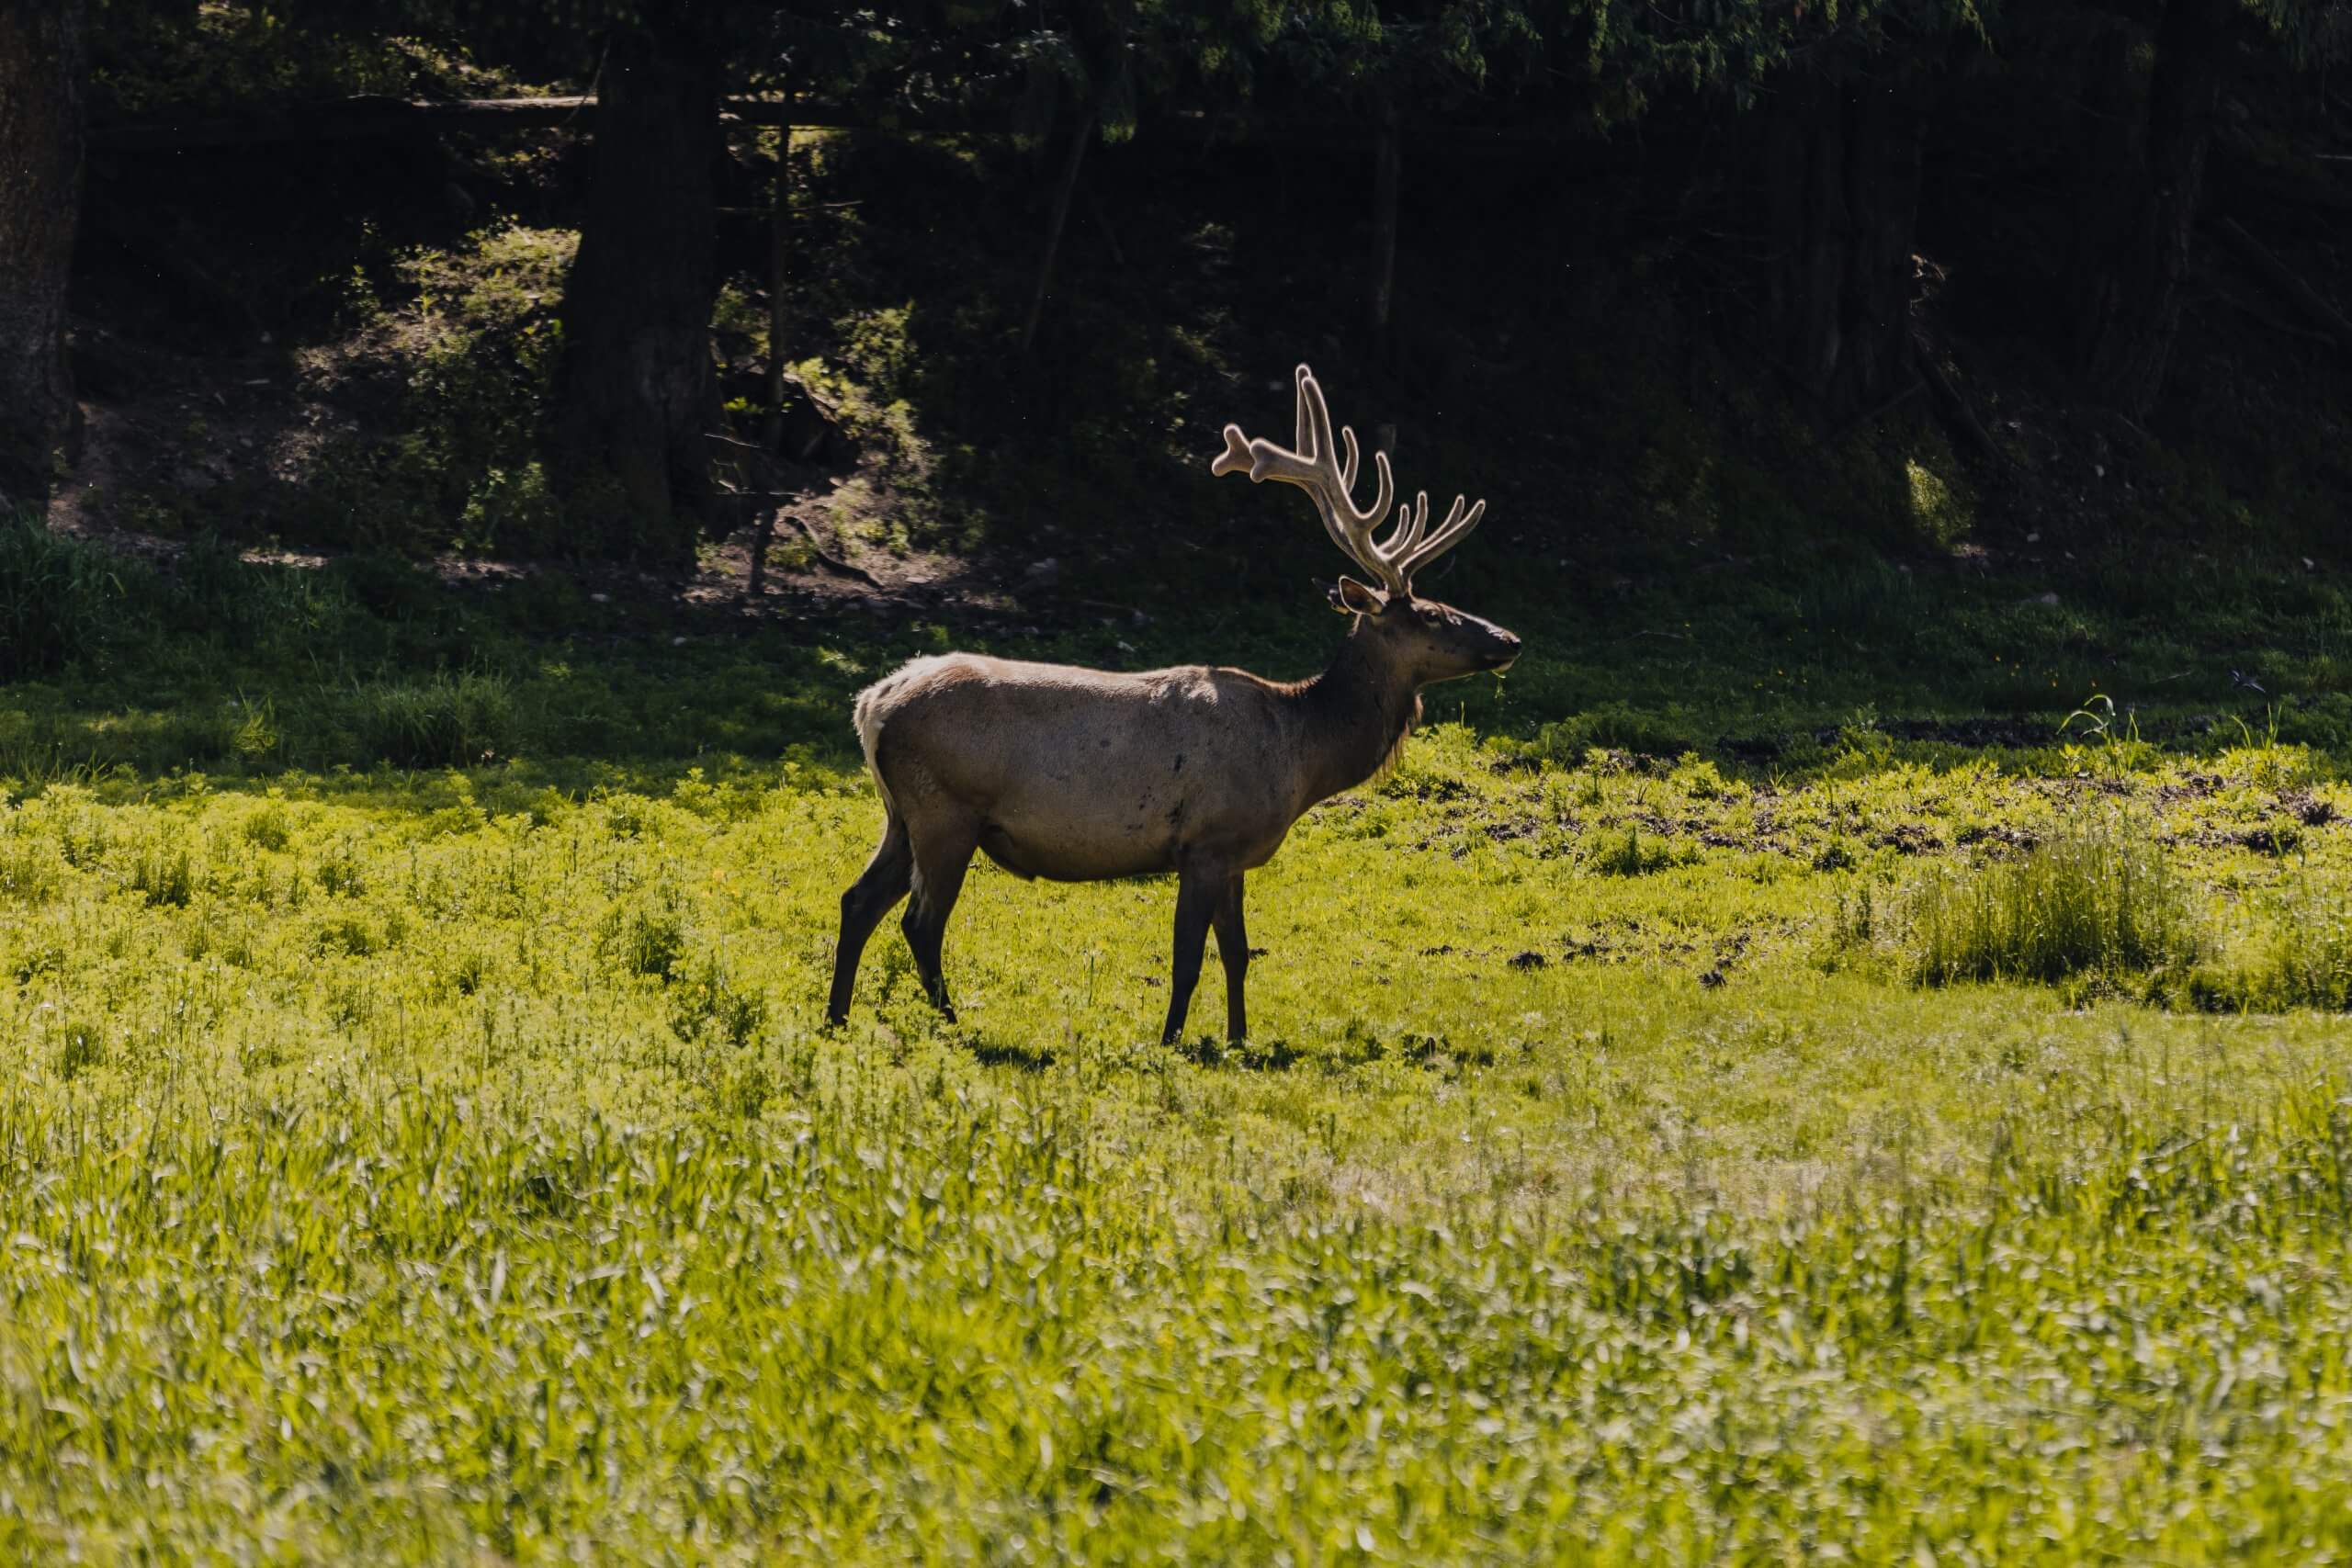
2307 808
2267 838
1997 839
1908 839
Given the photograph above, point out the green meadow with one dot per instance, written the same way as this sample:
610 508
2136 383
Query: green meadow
1756 1093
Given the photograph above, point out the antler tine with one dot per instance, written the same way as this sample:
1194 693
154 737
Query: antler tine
1327 470
1411 523
1450 532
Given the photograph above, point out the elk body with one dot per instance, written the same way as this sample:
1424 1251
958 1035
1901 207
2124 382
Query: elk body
1078 775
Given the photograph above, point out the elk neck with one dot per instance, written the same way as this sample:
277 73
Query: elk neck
1354 716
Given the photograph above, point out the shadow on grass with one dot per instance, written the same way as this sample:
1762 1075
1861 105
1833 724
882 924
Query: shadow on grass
1028 1059
1266 1057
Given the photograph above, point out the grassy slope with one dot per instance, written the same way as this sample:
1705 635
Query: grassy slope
442 1164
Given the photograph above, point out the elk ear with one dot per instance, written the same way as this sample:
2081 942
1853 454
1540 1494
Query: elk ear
1352 598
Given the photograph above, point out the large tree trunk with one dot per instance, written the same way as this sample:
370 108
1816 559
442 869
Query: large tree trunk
637 393
2145 174
41 75
1842 189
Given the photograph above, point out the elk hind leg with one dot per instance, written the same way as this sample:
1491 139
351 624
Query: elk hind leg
882 884
1197 896
941 858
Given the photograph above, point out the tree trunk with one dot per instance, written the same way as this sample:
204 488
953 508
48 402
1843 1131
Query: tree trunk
779 283
2146 174
637 393
41 81
1055 223
1841 184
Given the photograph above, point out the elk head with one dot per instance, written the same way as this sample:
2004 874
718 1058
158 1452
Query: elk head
1425 641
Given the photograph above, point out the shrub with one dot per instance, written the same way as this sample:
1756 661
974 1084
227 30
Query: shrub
2101 900
164 876
712 1007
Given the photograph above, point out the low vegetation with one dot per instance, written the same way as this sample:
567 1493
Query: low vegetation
2098 900
419 1146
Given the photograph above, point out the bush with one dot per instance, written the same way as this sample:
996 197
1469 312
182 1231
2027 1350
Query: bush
2098 900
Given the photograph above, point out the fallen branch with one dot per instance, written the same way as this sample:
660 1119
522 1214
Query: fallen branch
782 513
817 549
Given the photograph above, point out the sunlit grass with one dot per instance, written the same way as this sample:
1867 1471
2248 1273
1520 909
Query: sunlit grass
447 1167
2096 899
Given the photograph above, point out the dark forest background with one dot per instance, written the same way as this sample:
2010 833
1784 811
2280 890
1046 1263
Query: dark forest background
1679 286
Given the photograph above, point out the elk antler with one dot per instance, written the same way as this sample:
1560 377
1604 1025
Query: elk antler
1331 484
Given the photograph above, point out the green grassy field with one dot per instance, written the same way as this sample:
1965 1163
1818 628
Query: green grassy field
412 1155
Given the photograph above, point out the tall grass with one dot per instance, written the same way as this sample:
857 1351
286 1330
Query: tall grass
59 597
444 720
2298 953
2099 899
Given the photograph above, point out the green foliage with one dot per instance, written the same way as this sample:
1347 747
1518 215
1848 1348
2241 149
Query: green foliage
1617 727
148 58
1626 854
2100 900
2297 952
474 346
61 599
443 720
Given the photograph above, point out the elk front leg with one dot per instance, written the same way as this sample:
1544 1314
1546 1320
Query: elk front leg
1197 898
1233 948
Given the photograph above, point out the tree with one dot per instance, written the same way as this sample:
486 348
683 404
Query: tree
42 78
1842 94
2143 174
635 400
636 396
1841 196
2143 178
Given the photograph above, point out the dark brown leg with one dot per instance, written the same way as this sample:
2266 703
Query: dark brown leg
939 864
1233 948
1197 898
883 884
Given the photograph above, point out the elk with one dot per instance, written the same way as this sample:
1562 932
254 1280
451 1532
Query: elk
1078 775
